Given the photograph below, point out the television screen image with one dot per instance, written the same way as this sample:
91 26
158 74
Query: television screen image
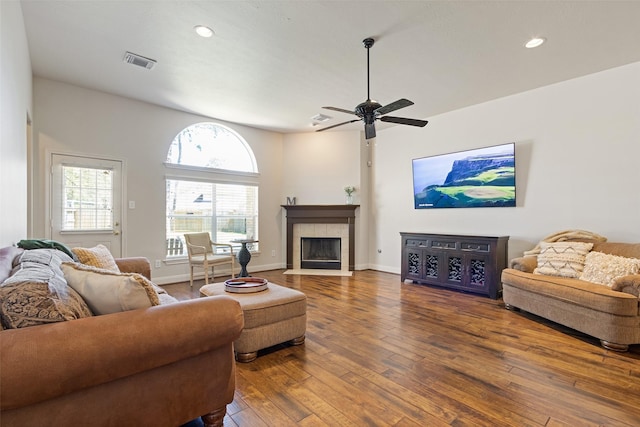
479 178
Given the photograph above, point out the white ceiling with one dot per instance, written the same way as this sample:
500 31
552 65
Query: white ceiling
273 64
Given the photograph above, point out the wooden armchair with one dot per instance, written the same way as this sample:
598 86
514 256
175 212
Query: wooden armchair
202 254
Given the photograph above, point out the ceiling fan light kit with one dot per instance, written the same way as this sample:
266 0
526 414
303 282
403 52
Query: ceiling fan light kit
369 111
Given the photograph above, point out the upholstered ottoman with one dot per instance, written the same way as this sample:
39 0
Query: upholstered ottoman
272 316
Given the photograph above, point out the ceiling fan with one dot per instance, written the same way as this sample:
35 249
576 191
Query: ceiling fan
369 111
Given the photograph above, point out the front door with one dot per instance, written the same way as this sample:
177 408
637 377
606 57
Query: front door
86 199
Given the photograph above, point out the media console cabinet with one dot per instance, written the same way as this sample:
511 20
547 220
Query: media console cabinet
466 263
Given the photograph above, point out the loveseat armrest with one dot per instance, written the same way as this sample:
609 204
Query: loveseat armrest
42 362
628 284
525 264
135 265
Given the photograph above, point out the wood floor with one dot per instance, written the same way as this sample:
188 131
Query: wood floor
382 353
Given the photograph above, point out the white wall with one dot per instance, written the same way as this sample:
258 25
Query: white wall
15 108
576 153
74 120
577 163
317 168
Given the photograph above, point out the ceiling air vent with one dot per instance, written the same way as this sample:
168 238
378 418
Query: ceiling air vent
320 118
140 61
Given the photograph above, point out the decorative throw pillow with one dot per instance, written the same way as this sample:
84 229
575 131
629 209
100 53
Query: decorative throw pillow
108 292
565 259
605 268
36 292
98 256
35 303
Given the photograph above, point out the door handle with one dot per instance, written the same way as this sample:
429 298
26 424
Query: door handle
116 232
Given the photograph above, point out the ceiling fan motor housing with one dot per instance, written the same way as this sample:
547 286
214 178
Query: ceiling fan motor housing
367 109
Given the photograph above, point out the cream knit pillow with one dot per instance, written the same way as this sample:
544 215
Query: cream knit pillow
605 268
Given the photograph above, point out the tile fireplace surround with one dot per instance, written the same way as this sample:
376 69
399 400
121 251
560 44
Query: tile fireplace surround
321 221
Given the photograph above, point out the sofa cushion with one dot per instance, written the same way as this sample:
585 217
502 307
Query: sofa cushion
36 292
605 268
98 256
574 291
564 259
628 250
108 292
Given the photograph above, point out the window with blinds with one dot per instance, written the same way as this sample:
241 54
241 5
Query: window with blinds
226 210
87 199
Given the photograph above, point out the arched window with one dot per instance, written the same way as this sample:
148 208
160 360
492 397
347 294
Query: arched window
210 145
214 189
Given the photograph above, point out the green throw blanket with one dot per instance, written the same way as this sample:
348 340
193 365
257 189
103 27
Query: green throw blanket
46 244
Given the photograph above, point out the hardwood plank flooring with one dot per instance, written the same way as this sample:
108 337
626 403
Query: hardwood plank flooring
382 353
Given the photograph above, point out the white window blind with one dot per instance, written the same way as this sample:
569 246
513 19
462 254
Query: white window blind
87 199
227 211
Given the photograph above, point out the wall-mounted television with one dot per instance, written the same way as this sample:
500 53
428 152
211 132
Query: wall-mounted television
479 178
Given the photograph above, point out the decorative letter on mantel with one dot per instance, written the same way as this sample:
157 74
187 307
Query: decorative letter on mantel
321 214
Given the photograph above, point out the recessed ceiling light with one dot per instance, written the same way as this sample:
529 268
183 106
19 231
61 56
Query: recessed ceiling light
535 42
203 31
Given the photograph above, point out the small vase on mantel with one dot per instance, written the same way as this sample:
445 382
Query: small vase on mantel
349 190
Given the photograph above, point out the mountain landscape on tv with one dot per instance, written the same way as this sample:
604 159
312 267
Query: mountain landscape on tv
484 180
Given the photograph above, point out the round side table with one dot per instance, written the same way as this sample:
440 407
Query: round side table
244 256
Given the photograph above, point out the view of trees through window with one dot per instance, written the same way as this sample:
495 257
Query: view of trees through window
228 211
88 199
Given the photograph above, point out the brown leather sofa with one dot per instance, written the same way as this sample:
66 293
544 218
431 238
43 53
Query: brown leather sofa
609 314
159 366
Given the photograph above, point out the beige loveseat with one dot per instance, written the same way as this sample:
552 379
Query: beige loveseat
610 314
159 366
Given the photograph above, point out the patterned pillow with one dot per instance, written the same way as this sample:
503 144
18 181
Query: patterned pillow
98 256
36 292
565 259
35 303
108 292
605 268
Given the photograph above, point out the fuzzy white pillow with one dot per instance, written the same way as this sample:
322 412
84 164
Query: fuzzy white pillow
605 268
564 259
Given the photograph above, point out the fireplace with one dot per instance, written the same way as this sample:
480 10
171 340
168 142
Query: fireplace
326 221
320 253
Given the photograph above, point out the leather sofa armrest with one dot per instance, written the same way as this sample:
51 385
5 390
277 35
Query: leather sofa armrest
628 284
135 265
525 264
41 362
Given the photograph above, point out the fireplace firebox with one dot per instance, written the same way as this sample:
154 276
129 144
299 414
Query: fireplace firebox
320 253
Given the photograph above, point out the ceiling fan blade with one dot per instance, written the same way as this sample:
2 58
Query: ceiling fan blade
404 121
342 110
369 131
400 103
339 124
